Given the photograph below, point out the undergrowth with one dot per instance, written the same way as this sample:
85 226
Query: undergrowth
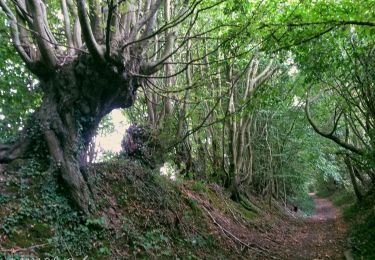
140 214
304 203
38 216
361 219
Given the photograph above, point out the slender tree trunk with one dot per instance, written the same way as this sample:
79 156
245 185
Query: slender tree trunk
353 179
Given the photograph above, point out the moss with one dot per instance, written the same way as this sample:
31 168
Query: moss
199 186
248 214
28 233
21 238
215 200
41 230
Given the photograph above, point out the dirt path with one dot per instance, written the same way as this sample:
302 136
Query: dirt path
278 235
322 235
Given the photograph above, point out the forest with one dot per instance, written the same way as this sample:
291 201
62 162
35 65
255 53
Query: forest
247 129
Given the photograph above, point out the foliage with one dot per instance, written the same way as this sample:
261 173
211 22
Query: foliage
361 219
140 143
18 93
45 217
152 218
270 99
303 202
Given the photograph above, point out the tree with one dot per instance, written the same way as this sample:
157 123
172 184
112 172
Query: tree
353 111
90 66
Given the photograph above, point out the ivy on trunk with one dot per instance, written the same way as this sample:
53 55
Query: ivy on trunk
87 73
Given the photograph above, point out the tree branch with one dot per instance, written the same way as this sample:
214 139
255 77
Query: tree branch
77 40
93 47
21 10
146 19
68 33
331 22
152 67
95 16
41 34
330 135
10 152
15 34
111 9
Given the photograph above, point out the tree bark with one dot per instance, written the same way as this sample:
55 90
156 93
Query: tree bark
350 167
76 97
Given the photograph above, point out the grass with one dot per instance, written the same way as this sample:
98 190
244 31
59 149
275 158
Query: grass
324 193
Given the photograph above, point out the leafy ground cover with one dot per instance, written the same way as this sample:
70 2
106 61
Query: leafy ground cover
141 214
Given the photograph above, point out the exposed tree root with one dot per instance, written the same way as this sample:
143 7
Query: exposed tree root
11 152
247 204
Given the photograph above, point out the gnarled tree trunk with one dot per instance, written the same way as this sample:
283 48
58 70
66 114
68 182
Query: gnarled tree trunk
76 98
87 73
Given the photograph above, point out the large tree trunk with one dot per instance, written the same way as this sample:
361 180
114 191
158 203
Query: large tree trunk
89 72
76 98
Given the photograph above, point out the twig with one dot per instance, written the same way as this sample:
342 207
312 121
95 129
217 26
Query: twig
19 249
234 216
252 246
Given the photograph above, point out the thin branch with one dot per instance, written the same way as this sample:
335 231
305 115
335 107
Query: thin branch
15 33
331 22
296 43
111 9
251 246
152 67
77 37
142 22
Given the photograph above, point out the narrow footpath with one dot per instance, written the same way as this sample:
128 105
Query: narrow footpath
290 237
322 235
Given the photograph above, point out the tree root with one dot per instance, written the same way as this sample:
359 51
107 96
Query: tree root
248 205
11 152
